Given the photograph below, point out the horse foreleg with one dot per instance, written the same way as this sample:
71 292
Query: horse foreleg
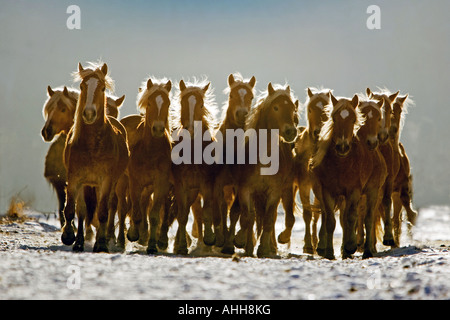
90 199
122 209
68 234
136 215
388 239
182 218
110 234
159 197
288 201
235 212
244 238
325 245
105 200
209 238
269 216
349 243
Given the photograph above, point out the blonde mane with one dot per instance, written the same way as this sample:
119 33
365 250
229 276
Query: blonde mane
51 102
238 81
263 101
94 68
326 133
144 93
209 103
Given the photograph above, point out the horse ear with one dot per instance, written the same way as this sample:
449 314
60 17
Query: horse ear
252 82
393 96
205 88
296 105
310 94
182 85
104 69
402 99
380 103
230 80
80 67
333 99
50 91
139 89
168 86
368 92
355 101
288 90
270 89
66 92
119 101
149 84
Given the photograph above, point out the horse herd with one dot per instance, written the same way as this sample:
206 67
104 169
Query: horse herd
348 157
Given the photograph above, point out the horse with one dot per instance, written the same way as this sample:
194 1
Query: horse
402 189
259 194
150 160
58 112
240 97
336 169
305 144
391 155
195 111
376 170
96 153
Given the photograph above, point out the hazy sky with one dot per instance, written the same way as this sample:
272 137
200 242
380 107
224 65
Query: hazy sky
303 43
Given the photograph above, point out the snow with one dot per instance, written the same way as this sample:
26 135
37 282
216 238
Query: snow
34 264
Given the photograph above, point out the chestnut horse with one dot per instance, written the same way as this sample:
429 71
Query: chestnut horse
96 153
391 155
58 112
402 190
258 194
375 166
305 145
150 160
336 170
240 98
193 178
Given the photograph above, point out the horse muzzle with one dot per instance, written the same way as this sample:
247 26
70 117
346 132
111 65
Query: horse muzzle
89 116
47 133
343 149
158 130
290 134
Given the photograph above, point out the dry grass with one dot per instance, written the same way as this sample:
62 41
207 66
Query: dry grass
15 212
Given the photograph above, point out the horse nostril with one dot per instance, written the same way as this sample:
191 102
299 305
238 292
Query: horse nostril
290 133
316 133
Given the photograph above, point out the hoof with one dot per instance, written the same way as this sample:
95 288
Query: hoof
239 240
151 249
284 237
68 236
100 246
133 234
121 241
163 244
326 253
389 242
367 254
78 246
220 240
227 249
182 251
209 239
308 250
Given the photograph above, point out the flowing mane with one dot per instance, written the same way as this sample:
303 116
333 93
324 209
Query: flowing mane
144 93
209 104
94 68
238 81
263 101
326 133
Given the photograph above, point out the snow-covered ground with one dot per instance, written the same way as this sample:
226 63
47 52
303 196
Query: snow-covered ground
34 264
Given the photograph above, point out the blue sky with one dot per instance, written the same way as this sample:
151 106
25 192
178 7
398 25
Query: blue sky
303 43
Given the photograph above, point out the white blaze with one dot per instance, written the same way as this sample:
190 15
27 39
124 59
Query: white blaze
192 101
159 101
91 85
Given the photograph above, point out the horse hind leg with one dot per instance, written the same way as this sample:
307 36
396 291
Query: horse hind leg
235 212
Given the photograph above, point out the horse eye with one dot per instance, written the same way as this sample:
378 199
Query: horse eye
275 108
103 89
63 110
